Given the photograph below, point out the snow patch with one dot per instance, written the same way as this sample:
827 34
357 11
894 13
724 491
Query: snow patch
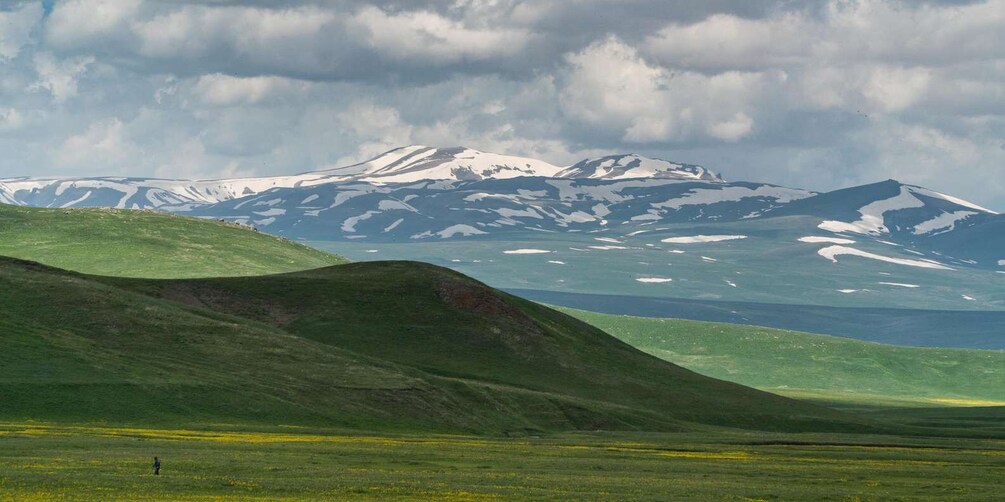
873 220
900 284
557 262
950 198
349 225
702 238
945 222
607 248
654 280
464 230
526 251
832 252
704 196
272 212
394 225
812 239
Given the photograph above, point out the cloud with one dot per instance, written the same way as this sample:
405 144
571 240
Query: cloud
351 41
16 27
59 77
103 146
724 41
434 38
105 20
610 86
224 90
10 120
799 92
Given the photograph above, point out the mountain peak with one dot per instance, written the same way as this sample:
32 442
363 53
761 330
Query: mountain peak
633 165
420 162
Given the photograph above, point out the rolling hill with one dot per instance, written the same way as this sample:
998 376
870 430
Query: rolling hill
375 346
148 244
816 366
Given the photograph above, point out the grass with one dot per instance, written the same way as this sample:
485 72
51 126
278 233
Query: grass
394 346
824 368
148 244
399 380
46 462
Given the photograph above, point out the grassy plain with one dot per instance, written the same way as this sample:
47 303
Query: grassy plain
59 462
823 368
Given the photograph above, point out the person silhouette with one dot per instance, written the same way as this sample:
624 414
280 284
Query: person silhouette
157 466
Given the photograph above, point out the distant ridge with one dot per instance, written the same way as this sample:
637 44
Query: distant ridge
401 165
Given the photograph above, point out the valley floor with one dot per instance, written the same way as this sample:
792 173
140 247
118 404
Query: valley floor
46 462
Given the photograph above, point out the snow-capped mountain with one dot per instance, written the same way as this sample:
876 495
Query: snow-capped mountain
401 165
415 163
445 209
135 193
912 217
420 193
889 208
616 167
908 215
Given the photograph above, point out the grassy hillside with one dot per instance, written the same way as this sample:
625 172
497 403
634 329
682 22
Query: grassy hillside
399 346
816 366
147 244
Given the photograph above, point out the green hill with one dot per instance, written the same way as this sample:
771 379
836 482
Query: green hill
147 244
816 366
378 346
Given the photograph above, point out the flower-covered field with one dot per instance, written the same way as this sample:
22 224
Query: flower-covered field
61 462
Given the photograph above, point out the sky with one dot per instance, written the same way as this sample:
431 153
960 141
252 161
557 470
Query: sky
812 94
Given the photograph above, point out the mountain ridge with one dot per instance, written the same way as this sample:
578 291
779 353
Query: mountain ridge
419 193
400 165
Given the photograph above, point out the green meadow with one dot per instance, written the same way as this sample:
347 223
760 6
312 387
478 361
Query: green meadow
147 244
128 335
830 369
48 462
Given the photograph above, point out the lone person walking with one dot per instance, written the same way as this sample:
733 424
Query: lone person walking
157 466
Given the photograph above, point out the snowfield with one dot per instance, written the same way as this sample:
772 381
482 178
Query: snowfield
825 240
873 215
832 252
704 196
900 284
526 251
945 222
695 239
